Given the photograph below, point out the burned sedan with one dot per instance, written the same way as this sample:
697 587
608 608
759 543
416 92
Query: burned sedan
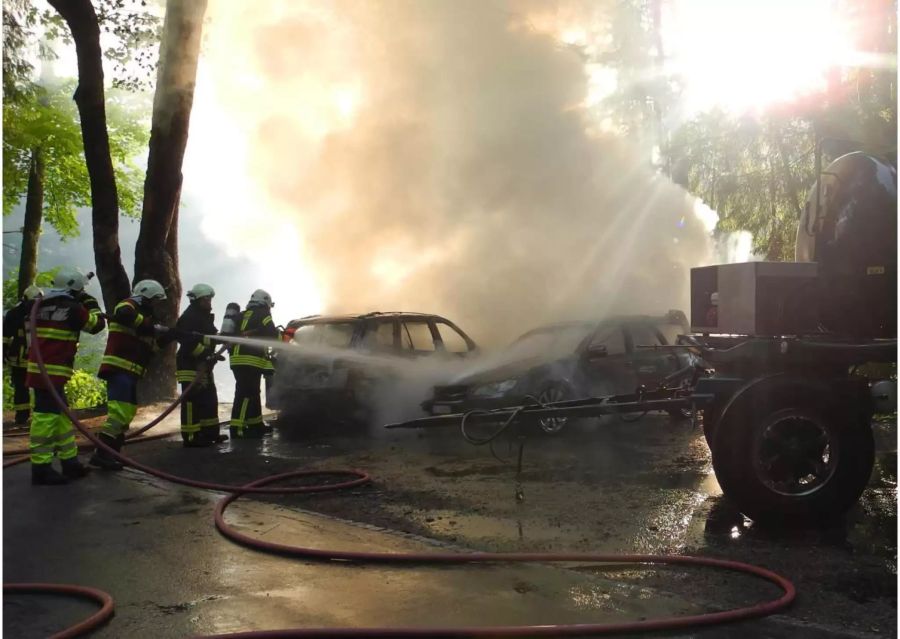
568 361
342 360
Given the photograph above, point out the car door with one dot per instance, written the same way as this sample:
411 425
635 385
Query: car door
417 338
650 363
452 341
604 364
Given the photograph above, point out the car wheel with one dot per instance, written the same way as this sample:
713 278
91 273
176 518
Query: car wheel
554 392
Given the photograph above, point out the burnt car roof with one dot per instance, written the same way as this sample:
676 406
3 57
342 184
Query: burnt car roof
333 319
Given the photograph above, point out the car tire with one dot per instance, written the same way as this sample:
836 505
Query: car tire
790 451
549 393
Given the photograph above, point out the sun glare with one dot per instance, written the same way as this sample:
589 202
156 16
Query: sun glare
744 56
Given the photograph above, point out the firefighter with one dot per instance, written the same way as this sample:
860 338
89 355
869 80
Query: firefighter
15 351
133 338
249 364
195 359
64 313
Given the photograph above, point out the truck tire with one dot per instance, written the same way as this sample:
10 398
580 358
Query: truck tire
794 451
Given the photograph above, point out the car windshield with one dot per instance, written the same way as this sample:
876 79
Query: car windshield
335 334
552 340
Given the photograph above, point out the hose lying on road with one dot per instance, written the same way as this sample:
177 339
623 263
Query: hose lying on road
357 478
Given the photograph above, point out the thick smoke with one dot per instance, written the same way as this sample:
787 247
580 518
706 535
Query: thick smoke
437 156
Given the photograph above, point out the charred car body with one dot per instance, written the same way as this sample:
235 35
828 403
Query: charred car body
571 360
343 359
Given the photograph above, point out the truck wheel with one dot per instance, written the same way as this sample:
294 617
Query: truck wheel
788 450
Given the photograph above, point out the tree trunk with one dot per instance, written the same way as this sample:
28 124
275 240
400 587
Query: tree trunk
31 229
89 97
156 253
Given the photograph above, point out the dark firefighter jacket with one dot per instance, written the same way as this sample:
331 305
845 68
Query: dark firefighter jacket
15 335
193 350
256 322
60 319
131 342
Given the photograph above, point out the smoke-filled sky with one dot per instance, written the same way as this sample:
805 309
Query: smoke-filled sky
427 156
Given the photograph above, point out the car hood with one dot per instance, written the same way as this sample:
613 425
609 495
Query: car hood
488 372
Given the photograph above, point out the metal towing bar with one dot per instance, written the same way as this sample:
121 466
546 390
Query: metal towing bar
661 399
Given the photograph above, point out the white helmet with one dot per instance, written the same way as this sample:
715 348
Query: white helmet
69 278
200 291
150 289
261 297
31 292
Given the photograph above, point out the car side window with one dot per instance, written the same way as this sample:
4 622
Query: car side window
381 336
643 335
612 338
453 341
416 336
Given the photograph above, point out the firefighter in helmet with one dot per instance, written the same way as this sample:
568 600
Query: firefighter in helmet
194 362
249 364
15 351
64 312
134 337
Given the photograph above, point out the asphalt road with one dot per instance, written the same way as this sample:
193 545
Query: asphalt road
604 487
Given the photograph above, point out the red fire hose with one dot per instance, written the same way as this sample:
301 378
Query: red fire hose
359 478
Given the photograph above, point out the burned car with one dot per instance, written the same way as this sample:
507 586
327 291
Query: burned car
569 361
343 359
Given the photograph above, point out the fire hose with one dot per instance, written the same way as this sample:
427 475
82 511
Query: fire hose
353 478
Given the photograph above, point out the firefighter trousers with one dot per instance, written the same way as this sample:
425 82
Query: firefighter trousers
246 413
51 431
21 396
200 411
121 392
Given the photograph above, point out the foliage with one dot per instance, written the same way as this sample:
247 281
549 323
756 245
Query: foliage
85 390
7 388
131 37
48 119
43 280
753 172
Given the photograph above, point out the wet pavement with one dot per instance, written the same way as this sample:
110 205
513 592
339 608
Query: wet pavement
602 487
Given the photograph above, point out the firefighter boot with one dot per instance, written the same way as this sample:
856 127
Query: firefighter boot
102 459
74 469
45 475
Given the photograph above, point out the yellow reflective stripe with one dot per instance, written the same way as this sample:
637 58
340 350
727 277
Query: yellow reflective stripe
21 406
93 319
122 363
115 327
209 421
57 333
267 320
185 375
52 369
250 360
7 340
198 349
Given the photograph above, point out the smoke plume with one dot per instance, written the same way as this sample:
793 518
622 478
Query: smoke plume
438 156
